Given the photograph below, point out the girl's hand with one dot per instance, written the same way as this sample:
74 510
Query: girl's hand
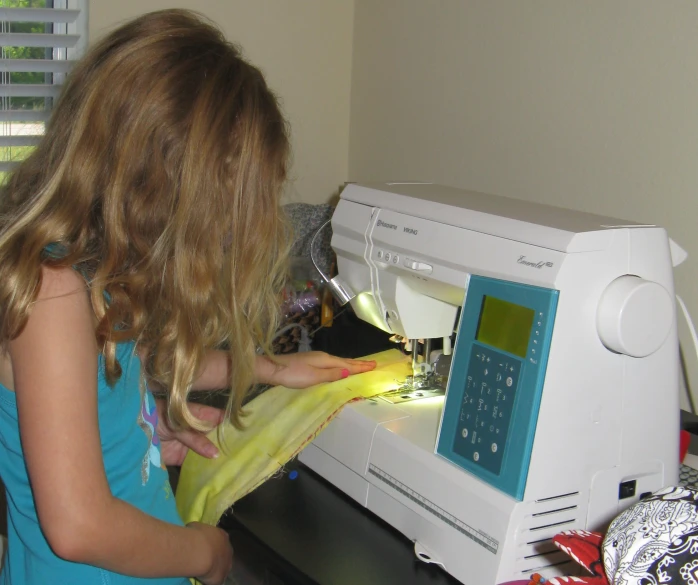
174 445
300 370
221 553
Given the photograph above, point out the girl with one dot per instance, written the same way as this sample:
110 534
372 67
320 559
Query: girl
143 232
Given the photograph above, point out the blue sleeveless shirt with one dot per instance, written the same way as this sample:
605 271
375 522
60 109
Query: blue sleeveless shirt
131 453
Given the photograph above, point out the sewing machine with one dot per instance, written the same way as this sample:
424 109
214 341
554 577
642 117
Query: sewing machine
561 405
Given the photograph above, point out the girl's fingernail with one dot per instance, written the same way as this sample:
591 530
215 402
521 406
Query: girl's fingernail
345 373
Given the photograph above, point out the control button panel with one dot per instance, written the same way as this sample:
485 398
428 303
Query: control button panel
389 257
486 408
495 386
539 324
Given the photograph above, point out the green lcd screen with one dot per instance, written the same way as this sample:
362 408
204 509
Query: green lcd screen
505 326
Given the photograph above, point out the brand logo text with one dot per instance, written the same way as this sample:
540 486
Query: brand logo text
533 264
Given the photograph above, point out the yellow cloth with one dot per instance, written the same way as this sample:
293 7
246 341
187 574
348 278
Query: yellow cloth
279 423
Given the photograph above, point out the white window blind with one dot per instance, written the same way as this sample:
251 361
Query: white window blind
40 39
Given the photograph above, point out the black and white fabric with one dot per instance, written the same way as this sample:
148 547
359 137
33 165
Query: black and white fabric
655 541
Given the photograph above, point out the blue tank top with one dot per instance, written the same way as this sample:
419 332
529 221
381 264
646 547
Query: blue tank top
131 452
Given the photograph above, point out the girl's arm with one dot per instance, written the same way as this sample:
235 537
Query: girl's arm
54 363
297 370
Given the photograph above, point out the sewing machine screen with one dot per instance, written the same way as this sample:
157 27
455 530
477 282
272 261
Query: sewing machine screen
496 382
505 325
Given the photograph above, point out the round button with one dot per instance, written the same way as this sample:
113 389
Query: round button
396 259
494 447
379 254
464 432
388 256
634 316
476 456
510 381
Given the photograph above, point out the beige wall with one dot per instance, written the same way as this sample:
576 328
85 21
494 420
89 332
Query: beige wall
587 105
304 48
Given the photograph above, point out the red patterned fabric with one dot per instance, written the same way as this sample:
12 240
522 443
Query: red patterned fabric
585 548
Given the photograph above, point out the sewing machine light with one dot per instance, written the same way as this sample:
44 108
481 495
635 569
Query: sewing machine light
341 291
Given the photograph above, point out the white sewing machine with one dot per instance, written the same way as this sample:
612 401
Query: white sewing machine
562 402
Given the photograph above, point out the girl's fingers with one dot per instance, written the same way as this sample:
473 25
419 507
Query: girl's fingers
207 413
358 368
198 443
329 361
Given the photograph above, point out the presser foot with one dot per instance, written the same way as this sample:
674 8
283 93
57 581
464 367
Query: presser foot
414 388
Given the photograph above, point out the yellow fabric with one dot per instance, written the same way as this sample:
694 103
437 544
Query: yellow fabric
280 422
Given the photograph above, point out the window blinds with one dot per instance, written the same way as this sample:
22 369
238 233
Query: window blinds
40 41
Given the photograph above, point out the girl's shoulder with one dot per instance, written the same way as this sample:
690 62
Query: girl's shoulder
61 311
59 282
63 301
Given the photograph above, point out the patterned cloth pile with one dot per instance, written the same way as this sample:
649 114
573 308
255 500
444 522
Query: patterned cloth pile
652 542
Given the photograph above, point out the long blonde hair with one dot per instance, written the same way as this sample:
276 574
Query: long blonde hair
158 179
